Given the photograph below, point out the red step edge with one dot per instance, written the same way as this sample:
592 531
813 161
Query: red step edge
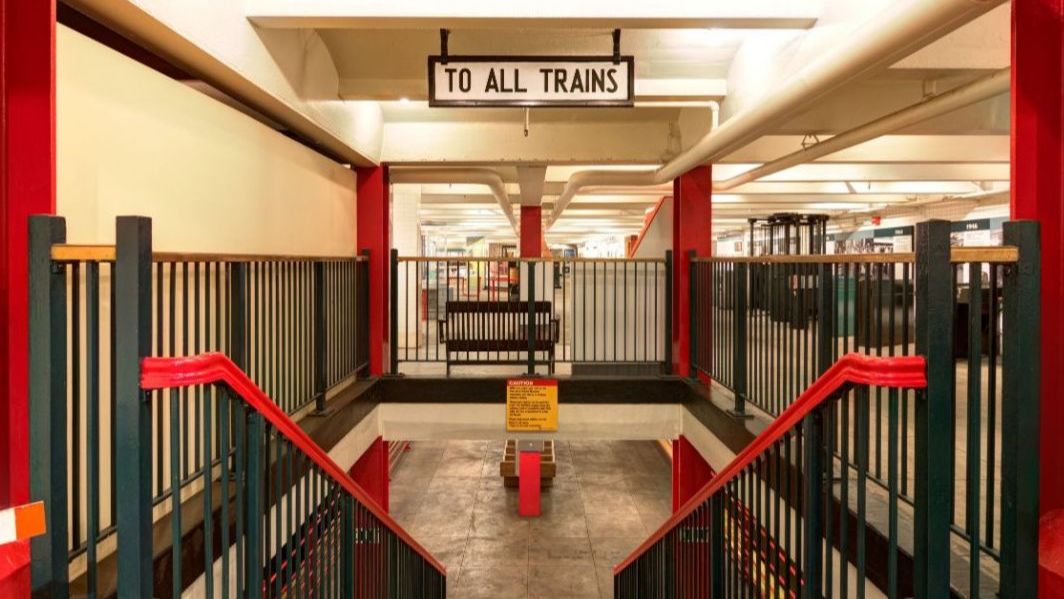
905 372
164 373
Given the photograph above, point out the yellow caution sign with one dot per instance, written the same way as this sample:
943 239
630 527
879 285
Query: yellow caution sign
531 405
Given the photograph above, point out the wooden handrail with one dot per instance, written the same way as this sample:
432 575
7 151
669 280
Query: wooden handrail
905 372
515 259
1006 254
106 253
208 368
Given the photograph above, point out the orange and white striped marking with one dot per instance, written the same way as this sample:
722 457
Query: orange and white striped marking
21 522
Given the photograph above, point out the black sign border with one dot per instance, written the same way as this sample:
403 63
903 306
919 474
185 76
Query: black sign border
437 59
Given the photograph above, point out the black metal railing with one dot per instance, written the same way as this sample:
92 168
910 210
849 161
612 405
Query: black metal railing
766 326
299 325
763 525
587 314
289 522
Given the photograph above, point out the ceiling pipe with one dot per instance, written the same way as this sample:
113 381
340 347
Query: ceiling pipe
471 176
893 34
944 103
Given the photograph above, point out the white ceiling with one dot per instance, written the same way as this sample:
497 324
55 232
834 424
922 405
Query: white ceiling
737 53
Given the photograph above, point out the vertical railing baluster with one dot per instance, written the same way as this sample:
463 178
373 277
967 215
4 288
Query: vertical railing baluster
393 315
319 336
667 328
739 339
531 324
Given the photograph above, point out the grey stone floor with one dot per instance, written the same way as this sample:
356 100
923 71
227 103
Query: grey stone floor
607 497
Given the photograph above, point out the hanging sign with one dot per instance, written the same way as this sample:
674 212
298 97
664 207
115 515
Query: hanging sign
531 405
531 81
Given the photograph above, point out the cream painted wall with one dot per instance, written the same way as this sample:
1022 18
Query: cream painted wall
133 141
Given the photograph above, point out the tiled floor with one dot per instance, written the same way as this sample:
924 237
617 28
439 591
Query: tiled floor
607 497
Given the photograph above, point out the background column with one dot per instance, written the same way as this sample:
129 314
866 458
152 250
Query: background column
1037 183
1038 194
374 234
531 231
27 186
692 228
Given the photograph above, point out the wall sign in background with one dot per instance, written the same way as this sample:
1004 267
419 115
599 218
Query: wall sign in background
531 405
531 81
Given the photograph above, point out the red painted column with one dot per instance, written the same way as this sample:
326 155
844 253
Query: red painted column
531 231
374 234
1037 182
690 472
1038 194
27 186
692 227
371 472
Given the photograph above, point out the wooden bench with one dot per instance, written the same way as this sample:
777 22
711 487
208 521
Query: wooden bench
469 329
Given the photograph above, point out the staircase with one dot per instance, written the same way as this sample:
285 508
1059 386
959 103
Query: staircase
789 518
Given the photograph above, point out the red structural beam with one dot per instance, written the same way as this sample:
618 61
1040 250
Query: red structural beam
692 230
205 369
1038 194
907 372
374 225
27 186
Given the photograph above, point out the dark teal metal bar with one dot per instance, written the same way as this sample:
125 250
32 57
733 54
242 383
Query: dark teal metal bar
47 405
933 453
254 496
812 520
1020 406
132 420
667 332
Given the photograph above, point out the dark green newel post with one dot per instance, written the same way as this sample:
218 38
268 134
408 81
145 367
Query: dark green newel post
48 404
1021 372
934 456
133 286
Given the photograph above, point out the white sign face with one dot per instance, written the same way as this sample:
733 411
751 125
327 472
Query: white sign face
530 81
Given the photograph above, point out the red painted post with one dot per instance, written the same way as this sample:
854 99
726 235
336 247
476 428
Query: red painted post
531 231
690 472
374 228
1038 194
1037 184
371 472
528 482
27 186
692 229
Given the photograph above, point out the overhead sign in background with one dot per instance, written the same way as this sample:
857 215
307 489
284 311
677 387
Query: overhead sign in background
531 405
531 81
